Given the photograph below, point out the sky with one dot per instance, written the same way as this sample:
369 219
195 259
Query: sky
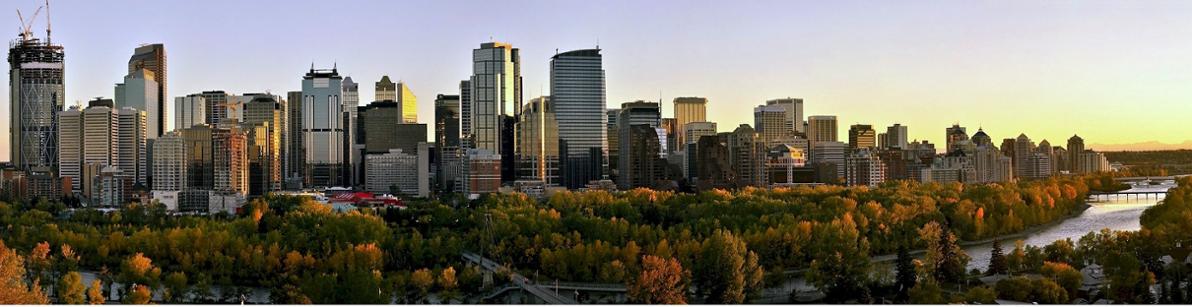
1115 72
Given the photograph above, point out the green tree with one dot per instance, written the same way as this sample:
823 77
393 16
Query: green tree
722 269
997 260
906 276
927 291
1064 275
176 287
71 289
1048 292
945 260
980 295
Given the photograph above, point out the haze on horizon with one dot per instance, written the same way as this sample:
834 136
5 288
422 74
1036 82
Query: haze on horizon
1112 72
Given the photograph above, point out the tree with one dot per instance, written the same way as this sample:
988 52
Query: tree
906 275
95 293
722 268
13 289
71 289
139 269
175 286
1048 292
997 260
661 281
1063 275
447 280
422 280
140 295
980 295
945 260
927 292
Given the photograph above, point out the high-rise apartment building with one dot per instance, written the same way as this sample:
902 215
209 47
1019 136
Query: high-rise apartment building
794 112
642 163
747 153
1076 154
37 92
538 142
324 129
229 157
465 114
139 91
864 168
189 111
689 110
1024 151
954 135
821 128
862 136
991 166
152 57
169 169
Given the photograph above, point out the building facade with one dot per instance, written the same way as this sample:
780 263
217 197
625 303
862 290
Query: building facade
152 57
324 128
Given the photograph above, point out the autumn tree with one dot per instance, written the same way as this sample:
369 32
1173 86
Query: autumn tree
139 269
71 289
661 281
175 287
422 280
13 288
95 293
140 295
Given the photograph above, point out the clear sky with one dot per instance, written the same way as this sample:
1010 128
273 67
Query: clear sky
1115 72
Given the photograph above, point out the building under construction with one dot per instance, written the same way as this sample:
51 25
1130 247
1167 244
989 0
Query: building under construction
37 94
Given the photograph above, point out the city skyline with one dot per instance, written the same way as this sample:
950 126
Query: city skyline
648 58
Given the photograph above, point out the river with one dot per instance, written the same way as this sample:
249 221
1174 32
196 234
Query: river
1119 214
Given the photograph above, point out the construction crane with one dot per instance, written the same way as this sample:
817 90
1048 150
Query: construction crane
26 27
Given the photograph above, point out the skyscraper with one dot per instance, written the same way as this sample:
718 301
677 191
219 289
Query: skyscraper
189 111
688 110
632 114
447 141
896 136
217 106
98 137
465 114
864 168
861 136
131 141
152 57
747 153
263 118
772 123
294 168
139 91
821 128
353 161
794 112
323 128
538 142
408 103
37 92
495 95
1024 151
577 93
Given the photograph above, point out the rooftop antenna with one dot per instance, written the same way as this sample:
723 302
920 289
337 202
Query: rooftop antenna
597 40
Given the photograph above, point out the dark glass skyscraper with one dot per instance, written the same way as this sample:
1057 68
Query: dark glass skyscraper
577 92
